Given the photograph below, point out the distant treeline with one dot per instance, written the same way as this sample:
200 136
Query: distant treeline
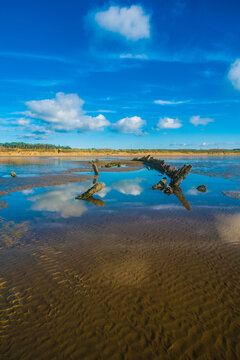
22 145
17 146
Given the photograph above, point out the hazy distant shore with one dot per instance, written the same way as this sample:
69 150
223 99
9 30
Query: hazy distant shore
117 153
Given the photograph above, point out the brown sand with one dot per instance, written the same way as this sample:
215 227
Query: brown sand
146 287
116 153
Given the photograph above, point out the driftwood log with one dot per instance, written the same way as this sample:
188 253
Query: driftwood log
112 164
176 175
90 192
95 168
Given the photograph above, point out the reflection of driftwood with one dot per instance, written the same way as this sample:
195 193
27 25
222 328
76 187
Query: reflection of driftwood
179 194
89 193
97 202
95 168
169 190
13 174
176 175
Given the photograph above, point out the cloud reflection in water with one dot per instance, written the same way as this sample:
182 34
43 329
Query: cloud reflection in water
62 200
228 227
128 186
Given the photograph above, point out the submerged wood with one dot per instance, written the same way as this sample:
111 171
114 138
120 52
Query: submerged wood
13 174
90 192
176 175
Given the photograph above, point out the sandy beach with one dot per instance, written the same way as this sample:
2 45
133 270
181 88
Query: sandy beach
139 278
116 153
141 289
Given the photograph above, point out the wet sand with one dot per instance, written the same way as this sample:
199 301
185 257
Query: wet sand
142 284
145 287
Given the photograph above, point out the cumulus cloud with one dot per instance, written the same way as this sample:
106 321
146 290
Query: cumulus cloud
130 125
197 120
166 102
169 123
64 112
234 74
130 22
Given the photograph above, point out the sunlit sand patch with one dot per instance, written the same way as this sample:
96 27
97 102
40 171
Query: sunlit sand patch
228 227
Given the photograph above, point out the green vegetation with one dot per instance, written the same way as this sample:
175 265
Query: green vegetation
22 145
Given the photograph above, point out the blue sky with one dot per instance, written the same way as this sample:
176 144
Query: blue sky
122 74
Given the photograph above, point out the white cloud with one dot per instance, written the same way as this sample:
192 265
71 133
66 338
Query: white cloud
130 22
234 74
133 56
197 120
168 123
64 112
130 125
166 102
22 122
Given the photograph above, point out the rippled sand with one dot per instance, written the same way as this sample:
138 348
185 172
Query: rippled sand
139 287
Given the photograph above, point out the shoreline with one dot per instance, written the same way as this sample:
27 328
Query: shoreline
115 154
